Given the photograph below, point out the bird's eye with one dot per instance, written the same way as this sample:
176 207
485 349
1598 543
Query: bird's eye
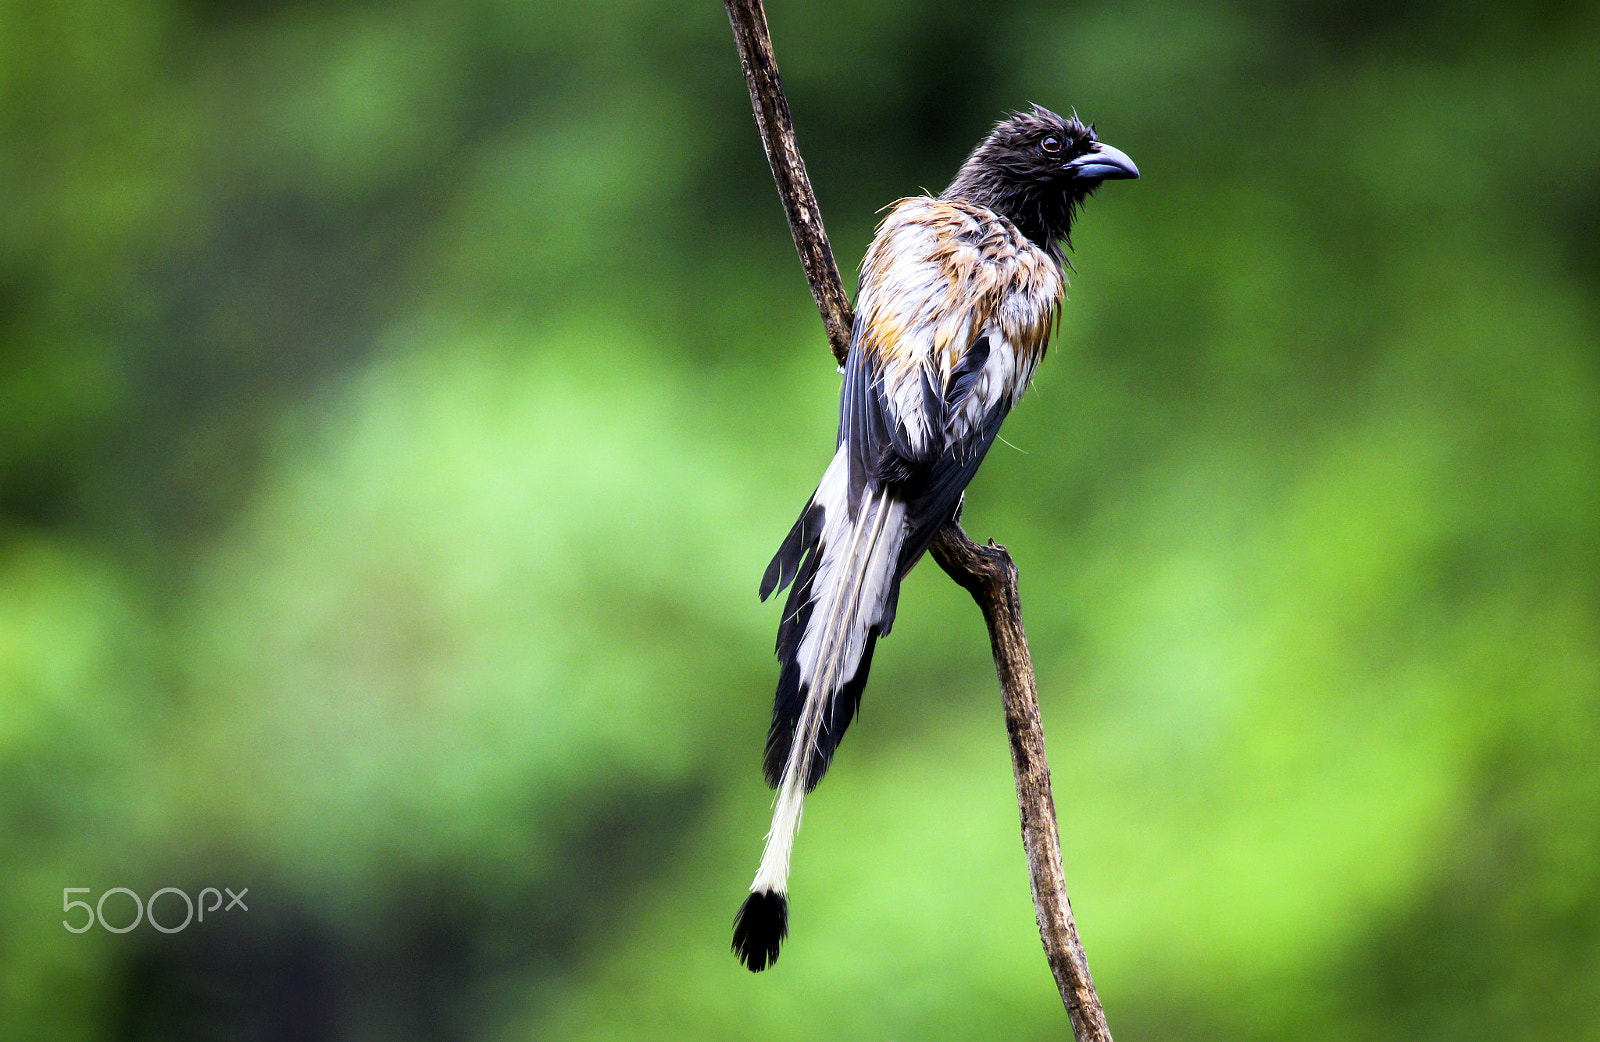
1050 145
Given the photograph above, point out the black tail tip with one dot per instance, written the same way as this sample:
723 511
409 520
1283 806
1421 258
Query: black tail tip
758 929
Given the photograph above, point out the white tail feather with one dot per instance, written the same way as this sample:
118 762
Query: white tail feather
849 593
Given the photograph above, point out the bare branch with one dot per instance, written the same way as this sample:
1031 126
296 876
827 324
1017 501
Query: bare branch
783 155
987 573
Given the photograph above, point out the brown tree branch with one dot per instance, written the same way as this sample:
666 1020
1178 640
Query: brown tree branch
783 155
989 574
986 572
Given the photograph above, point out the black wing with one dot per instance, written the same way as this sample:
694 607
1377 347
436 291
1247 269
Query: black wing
931 482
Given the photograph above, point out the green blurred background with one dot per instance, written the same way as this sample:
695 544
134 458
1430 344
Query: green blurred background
400 399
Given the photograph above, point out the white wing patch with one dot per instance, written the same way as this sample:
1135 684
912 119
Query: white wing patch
997 380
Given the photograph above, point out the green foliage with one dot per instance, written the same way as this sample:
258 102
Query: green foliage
402 399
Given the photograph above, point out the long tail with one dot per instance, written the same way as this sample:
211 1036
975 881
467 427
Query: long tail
846 582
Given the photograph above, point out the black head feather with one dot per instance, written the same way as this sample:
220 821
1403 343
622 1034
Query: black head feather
1036 168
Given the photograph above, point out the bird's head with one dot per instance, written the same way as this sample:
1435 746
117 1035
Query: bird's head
1036 168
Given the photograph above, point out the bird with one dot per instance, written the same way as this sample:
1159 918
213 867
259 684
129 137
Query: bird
957 299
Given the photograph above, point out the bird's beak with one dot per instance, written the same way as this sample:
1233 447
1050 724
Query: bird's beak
1103 164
